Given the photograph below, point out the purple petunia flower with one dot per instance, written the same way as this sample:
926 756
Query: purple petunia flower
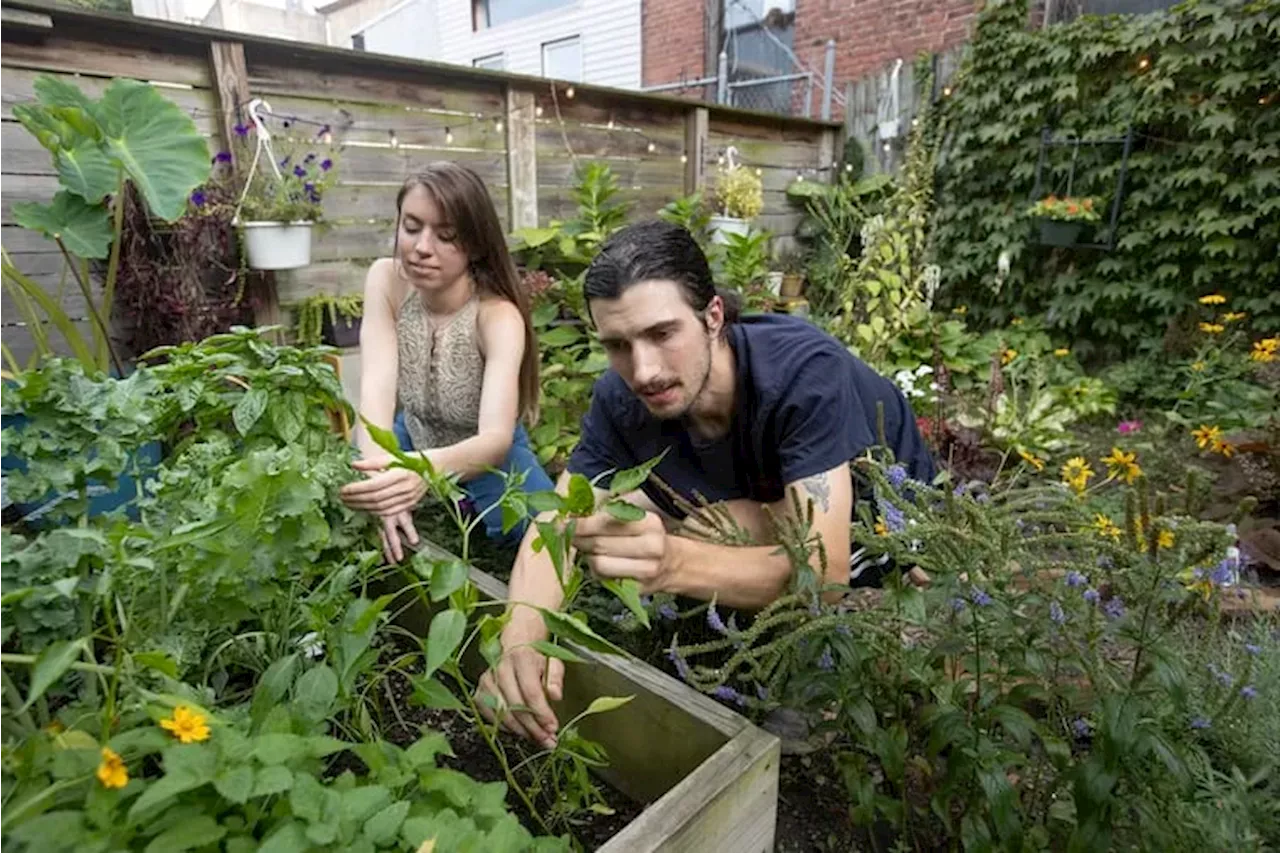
326 164
241 130
198 198
299 171
284 164
1253 648
1056 614
1080 727
979 597
222 157
827 662
1091 595
310 158
1200 723
1075 579
1249 691
714 622
897 475
1114 608
666 611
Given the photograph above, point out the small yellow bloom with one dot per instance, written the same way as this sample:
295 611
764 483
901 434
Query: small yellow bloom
1165 539
881 528
1123 466
1198 367
186 725
1032 460
1008 356
1206 435
1213 299
1062 352
1204 586
111 772
1265 350
1233 316
961 310
1016 321
55 728
1106 527
1077 474
1222 446
1212 328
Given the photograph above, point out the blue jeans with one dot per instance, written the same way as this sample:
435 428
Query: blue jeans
486 490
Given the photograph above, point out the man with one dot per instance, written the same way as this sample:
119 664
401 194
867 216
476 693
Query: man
745 410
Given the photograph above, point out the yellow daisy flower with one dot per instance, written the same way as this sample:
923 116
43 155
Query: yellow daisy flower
1206 435
1213 299
1264 351
1222 446
111 772
1008 356
961 310
186 725
1122 466
1032 460
1212 328
1106 527
1165 539
1062 352
1077 474
1233 316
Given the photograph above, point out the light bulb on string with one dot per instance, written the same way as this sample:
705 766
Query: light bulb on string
799 177
569 93
610 124
448 136
652 148
684 158
497 125
326 138
1144 63
395 143
946 91
720 160
538 111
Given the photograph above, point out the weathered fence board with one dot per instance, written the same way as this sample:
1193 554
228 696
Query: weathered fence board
389 116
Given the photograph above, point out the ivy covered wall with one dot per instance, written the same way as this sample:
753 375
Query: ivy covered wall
1200 210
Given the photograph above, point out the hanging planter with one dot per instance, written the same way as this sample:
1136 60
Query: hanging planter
279 206
1061 220
276 245
1055 232
740 197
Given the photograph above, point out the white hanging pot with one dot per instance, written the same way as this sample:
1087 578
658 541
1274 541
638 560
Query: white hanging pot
723 225
277 245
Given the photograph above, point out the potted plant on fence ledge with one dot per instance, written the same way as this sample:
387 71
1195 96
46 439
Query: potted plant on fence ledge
332 320
282 195
739 197
1062 219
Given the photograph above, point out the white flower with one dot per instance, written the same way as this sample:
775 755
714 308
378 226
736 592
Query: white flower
1003 262
312 646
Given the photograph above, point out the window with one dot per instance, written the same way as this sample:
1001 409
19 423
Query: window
493 62
357 41
562 59
495 13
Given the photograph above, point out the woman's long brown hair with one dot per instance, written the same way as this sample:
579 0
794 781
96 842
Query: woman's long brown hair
466 205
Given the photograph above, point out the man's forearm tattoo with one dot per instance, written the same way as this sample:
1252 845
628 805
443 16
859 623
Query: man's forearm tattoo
819 487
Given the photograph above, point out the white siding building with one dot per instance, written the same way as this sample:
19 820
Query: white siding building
593 41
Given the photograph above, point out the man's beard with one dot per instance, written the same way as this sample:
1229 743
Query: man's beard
697 395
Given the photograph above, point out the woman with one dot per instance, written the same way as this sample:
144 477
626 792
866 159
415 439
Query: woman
447 340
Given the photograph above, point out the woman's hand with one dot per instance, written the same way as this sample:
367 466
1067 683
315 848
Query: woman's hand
388 491
396 531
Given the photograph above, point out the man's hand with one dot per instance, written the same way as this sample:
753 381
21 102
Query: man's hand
525 678
388 491
624 549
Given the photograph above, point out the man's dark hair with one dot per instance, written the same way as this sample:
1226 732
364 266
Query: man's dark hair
656 250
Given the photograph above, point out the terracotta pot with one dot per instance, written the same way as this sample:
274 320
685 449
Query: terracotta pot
792 285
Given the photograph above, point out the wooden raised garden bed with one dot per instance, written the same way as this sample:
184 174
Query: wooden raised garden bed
707 777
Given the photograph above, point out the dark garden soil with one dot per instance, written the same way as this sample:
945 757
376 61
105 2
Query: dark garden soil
813 807
473 757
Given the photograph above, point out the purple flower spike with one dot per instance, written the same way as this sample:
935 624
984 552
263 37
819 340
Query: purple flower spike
1114 608
1249 691
1075 579
980 598
893 517
1056 614
1253 648
1224 678
714 621
682 668
1081 728
957 604
897 475
1200 723
1091 595
727 694
827 662
762 692
666 611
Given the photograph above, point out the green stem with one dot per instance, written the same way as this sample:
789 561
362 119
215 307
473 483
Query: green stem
14 814
113 263
30 660
101 332
15 699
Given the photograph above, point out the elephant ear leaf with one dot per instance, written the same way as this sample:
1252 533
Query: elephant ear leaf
156 143
85 229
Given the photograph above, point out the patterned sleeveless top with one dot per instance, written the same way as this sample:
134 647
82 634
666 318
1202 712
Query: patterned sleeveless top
440 375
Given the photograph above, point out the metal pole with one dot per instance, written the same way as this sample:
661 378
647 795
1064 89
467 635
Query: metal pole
722 79
827 79
808 95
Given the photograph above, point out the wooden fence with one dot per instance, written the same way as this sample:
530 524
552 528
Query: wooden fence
870 101
523 135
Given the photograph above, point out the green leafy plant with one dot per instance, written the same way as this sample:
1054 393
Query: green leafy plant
565 248
1199 199
739 191
309 315
572 360
691 214
131 135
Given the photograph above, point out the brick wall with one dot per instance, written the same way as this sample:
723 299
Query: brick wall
674 41
871 34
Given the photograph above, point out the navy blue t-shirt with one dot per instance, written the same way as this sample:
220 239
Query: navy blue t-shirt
804 404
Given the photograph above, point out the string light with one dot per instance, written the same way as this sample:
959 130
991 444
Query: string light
1144 64
497 125
538 111
448 136
915 122
395 143
610 124
684 158
887 146
568 93
848 167
720 160
946 91
652 148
